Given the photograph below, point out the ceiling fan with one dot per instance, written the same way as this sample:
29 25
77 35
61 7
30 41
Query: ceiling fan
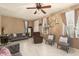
39 7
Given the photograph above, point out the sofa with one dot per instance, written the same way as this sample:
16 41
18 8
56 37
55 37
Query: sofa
17 37
10 50
37 38
15 49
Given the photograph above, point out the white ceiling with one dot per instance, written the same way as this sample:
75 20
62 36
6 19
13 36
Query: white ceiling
19 9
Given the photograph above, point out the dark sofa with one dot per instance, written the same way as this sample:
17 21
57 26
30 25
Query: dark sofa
10 50
17 36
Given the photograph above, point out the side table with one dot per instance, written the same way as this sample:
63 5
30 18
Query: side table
4 39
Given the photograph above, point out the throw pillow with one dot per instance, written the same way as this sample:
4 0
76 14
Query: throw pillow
14 35
23 34
50 37
4 52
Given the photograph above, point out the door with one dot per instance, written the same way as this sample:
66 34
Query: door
30 31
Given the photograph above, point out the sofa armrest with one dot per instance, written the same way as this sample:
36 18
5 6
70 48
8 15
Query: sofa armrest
14 48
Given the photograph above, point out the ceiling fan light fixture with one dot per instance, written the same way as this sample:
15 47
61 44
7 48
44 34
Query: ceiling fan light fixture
39 7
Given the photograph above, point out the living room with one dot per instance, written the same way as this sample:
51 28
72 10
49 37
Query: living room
26 31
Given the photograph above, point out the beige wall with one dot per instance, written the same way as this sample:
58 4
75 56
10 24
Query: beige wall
30 23
36 26
12 24
56 28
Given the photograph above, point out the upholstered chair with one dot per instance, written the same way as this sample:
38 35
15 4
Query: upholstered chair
37 38
51 39
64 42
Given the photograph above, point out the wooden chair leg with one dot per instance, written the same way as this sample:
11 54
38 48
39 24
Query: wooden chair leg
67 48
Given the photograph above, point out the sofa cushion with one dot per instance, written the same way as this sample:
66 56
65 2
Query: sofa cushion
11 35
19 34
17 54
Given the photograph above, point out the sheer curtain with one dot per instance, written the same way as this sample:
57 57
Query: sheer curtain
26 26
70 17
77 23
44 26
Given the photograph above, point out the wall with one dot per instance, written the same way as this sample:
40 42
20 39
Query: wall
56 25
30 23
12 24
56 29
36 26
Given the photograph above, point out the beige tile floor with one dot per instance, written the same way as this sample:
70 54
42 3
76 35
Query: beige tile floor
28 48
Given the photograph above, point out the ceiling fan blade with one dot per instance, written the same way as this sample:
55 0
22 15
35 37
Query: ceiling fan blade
31 7
49 6
35 12
43 11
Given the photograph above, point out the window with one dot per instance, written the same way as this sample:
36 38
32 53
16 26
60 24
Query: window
77 28
70 17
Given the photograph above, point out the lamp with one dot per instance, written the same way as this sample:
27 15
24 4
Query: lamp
2 30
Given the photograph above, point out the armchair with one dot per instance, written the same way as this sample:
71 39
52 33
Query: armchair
51 39
37 38
64 42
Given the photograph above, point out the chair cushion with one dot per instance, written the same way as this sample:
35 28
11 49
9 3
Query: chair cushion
63 44
50 37
36 33
63 39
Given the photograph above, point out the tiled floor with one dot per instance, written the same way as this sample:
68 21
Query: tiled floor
28 48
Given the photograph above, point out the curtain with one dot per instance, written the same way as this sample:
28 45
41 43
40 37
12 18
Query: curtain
76 16
64 22
44 25
70 17
63 18
26 26
76 23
